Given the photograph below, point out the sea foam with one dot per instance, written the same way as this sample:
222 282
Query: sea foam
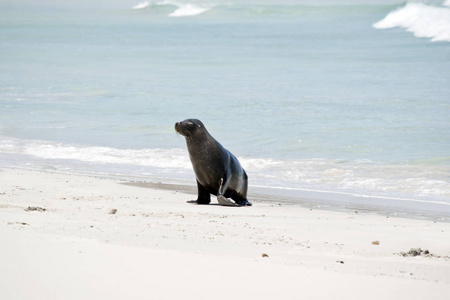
422 20
159 158
364 178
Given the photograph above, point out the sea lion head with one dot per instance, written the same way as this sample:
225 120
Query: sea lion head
190 127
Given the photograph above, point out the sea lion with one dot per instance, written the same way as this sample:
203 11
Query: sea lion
217 171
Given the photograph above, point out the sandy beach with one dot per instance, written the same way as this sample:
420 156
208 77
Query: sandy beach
77 237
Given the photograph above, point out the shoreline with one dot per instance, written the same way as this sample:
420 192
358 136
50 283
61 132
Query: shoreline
100 238
318 200
310 199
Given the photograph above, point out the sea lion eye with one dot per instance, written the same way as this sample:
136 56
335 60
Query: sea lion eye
191 125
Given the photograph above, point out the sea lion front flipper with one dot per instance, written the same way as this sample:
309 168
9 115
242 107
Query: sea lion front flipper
203 195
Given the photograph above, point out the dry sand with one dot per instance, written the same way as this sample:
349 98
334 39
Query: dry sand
156 246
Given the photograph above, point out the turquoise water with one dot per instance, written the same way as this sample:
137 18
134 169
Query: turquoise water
351 100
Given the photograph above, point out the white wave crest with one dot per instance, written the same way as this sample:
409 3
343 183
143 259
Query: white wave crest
422 20
446 3
141 5
181 9
187 10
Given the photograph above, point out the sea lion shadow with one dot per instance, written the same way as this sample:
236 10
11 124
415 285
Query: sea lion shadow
228 204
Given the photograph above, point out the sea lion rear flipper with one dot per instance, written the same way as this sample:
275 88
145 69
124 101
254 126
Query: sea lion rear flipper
225 201
222 199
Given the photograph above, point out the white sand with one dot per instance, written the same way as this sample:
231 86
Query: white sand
158 247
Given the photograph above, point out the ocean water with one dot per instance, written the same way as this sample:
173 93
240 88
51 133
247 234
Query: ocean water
325 103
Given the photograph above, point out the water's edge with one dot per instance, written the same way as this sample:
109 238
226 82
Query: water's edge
312 200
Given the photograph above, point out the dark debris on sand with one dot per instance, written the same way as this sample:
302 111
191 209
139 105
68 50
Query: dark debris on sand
413 252
35 208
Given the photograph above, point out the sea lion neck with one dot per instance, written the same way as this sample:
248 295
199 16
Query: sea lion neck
198 141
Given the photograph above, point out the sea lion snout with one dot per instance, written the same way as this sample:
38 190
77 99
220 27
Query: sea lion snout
178 128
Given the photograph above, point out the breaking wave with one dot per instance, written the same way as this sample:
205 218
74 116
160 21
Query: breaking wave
178 9
174 8
141 5
186 10
424 21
